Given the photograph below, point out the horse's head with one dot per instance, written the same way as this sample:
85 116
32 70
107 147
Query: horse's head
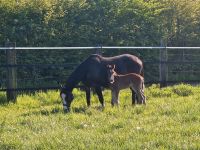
67 97
110 69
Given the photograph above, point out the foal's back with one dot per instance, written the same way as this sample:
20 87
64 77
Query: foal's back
128 80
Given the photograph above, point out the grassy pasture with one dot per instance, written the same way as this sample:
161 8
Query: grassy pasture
170 120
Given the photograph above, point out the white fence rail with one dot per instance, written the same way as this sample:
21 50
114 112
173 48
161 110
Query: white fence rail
11 51
97 47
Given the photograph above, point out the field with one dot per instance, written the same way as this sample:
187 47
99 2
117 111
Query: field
170 120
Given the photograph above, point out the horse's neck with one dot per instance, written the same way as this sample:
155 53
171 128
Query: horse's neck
76 77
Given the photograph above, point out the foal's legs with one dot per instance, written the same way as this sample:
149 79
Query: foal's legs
100 95
115 97
140 94
140 97
88 96
143 97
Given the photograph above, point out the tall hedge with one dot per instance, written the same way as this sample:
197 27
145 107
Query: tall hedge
96 22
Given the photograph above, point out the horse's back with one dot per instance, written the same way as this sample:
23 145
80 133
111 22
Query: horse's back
125 63
95 66
95 71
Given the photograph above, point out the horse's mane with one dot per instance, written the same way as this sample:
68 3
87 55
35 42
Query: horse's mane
77 75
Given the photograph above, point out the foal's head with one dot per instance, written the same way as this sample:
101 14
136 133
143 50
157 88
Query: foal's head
110 73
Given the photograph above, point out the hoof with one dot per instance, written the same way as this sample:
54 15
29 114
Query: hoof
103 105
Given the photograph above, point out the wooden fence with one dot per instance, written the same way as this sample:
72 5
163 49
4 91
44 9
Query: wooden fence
11 64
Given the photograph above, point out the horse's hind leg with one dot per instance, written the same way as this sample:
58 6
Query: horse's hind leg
100 95
134 97
88 96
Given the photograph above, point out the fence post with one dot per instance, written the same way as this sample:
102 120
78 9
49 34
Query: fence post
163 67
11 72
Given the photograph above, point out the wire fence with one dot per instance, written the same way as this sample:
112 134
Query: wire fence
40 68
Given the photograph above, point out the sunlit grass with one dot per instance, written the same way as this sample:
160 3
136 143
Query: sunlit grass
170 120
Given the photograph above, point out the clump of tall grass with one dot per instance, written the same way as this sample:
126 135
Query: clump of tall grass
171 91
183 90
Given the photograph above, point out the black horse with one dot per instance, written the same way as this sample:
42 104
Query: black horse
92 73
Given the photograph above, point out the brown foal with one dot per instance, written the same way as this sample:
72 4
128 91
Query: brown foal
119 82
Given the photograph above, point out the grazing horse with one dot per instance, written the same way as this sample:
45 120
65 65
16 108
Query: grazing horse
92 73
119 82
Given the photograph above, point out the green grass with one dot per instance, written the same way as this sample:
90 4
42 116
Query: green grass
170 120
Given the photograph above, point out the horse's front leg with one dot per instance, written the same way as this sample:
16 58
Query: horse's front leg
100 95
88 95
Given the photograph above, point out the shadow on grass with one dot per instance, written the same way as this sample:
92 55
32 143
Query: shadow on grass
54 111
86 110
80 110
44 112
59 110
99 108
